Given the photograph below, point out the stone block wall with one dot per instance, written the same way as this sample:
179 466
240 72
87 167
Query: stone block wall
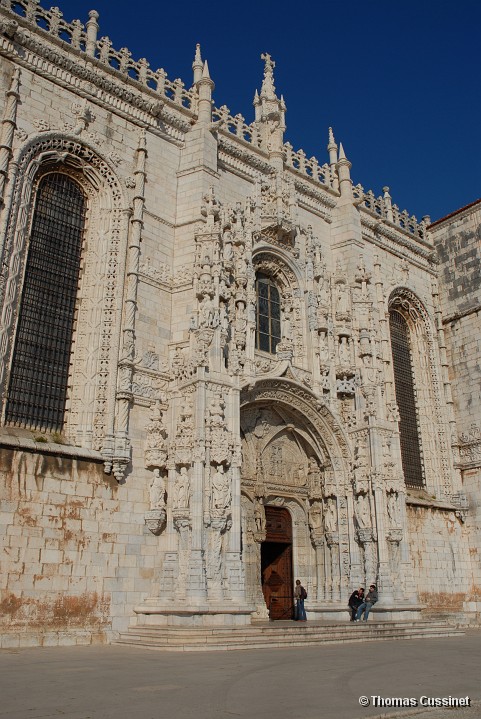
76 554
442 563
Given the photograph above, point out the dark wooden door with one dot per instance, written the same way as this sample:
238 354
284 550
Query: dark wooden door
276 564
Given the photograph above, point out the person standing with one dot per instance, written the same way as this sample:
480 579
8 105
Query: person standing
300 595
355 600
369 601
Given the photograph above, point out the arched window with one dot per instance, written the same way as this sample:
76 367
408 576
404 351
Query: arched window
406 400
40 366
268 316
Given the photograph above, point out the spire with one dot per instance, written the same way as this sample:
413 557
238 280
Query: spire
205 72
197 65
343 167
332 150
205 86
268 90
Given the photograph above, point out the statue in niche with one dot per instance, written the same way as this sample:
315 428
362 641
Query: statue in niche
323 289
344 352
228 252
393 512
157 490
220 488
323 348
363 511
208 315
224 319
342 305
259 516
181 493
368 372
315 517
241 264
330 516
216 410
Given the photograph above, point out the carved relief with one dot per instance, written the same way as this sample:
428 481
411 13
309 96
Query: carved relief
156 444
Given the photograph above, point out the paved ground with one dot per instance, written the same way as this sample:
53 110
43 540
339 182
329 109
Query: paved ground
311 683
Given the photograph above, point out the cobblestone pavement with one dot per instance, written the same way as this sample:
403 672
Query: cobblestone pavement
117 682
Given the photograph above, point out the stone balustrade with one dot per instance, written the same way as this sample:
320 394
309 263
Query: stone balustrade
85 39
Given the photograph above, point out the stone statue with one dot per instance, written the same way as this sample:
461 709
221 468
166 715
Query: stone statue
393 509
344 352
181 493
342 307
363 511
220 488
330 517
157 490
259 517
315 516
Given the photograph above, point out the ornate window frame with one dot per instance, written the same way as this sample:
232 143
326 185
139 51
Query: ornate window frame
278 268
90 410
430 404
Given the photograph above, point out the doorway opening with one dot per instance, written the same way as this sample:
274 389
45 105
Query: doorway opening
276 564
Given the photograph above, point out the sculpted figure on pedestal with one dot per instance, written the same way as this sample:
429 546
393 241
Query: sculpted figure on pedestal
181 491
220 489
157 490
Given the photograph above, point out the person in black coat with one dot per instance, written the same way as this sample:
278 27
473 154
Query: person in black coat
355 601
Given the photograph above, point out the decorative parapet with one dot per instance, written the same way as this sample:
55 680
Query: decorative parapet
382 208
308 166
84 39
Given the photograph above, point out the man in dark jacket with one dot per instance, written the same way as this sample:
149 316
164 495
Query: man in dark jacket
356 598
369 601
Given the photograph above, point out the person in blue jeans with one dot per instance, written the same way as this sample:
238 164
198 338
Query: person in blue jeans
299 595
369 601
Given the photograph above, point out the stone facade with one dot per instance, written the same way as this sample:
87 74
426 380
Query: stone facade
149 505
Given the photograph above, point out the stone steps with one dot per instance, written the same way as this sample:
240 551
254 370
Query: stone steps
280 634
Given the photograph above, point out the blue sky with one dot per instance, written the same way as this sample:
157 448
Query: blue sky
398 80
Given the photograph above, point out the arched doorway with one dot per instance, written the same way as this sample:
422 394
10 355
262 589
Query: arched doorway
276 563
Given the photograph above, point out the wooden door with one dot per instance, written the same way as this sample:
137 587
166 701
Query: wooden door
276 564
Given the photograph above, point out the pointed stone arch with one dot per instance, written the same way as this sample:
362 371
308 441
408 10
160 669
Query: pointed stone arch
315 419
91 409
428 386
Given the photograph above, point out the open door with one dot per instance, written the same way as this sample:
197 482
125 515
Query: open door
276 564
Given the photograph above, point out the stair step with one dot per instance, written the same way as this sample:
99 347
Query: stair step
269 636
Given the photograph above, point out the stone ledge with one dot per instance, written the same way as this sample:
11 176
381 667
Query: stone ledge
11 439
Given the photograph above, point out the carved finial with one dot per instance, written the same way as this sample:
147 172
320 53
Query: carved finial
268 89
205 87
92 28
332 150
197 65
205 71
343 171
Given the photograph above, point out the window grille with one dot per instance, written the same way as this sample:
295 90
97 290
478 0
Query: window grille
406 401
268 317
40 366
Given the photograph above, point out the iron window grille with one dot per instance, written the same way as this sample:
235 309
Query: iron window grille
268 315
40 366
406 401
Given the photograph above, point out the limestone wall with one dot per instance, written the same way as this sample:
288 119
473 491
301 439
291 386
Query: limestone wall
442 563
76 555
458 242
